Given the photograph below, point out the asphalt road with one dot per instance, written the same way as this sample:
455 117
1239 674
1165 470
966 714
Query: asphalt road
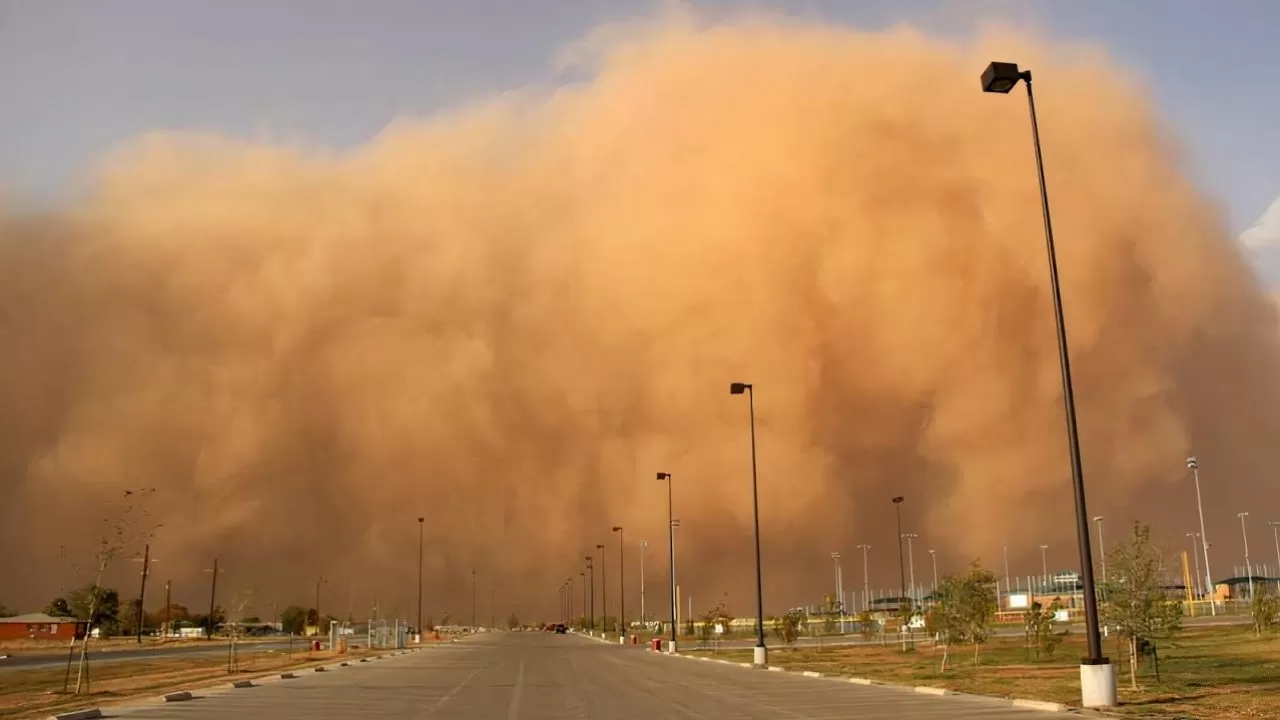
541 676
115 655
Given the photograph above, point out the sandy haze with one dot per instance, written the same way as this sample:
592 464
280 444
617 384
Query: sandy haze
510 316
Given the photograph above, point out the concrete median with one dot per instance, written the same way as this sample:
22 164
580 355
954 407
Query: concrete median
88 714
182 696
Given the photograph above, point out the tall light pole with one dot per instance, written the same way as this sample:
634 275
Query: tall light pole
934 554
1196 557
604 592
1248 566
671 548
1008 588
911 560
644 545
319 628
1044 564
1097 675
569 582
1275 533
583 574
1204 539
866 579
761 654
622 582
902 563
1102 549
420 522
473 600
591 578
146 561
835 557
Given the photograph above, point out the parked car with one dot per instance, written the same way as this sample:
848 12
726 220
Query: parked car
561 629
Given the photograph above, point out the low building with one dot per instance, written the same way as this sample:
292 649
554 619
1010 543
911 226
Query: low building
38 626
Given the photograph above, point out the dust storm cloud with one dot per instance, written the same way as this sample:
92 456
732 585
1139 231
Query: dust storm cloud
510 316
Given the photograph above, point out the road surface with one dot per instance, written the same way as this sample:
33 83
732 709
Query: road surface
542 676
114 655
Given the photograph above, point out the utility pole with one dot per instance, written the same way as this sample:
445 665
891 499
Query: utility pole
911 558
604 593
473 600
142 591
1194 466
213 594
591 579
902 564
420 521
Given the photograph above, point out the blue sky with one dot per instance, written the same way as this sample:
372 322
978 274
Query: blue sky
79 77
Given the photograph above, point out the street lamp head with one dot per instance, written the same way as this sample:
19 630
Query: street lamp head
1000 77
600 547
1191 462
617 528
421 520
738 388
898 499
664 476
1243 514
1097 518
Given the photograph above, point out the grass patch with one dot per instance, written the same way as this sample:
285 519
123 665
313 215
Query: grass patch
1209 674
37 692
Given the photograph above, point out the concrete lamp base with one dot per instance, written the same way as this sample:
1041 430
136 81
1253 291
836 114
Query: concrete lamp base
671 646
1098 685
760 656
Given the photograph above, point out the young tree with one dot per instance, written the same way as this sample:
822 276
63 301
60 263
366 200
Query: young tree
965 607
788 627
6 612
125 524
1266 609
1135 603
513 622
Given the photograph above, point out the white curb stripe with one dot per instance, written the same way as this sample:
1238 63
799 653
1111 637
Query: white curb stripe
1040 705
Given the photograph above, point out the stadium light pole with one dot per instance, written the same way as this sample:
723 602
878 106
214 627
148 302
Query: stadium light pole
671 548
1248 566
1275 533
1194 467
866 578
1097 674
761 653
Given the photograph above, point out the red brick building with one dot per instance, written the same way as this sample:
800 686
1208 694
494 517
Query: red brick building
37 626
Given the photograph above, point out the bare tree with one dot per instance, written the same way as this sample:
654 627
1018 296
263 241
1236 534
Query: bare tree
125 523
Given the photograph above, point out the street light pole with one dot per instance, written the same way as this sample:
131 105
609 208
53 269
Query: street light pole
622 582
902 563
1008 588
761 654
591 578
1248 566
473 601
583 574
1204 539
835 557
644 545
1097 675
866 579
420 521
1102 549
671 547
604 593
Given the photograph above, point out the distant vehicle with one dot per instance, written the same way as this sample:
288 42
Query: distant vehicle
561 629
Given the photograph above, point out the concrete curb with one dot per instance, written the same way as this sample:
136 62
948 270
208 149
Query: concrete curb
89 714
287 676
318 668
345 664
1040 705
243 684
181 696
